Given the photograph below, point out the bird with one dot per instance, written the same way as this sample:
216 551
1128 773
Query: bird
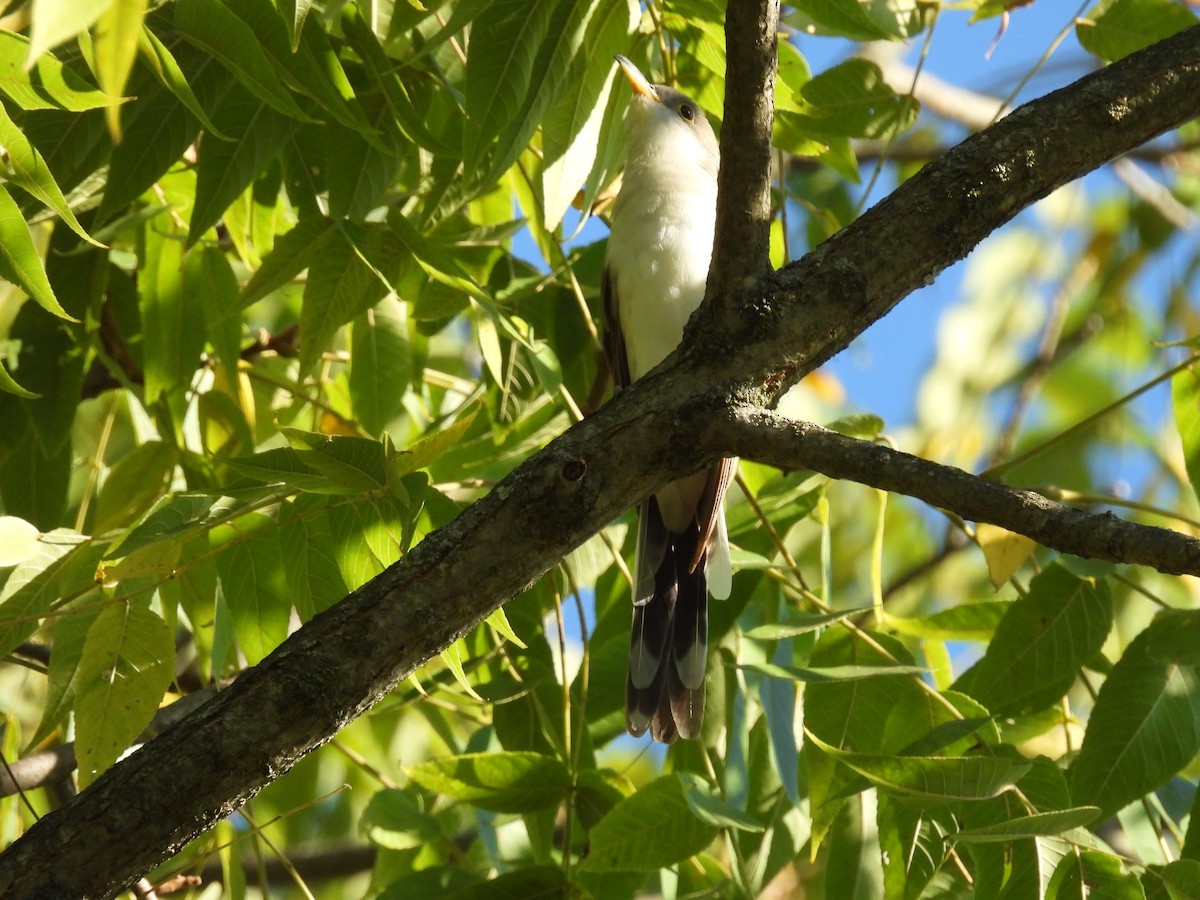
656 266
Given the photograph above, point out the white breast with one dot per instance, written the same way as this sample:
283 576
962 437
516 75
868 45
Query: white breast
659 250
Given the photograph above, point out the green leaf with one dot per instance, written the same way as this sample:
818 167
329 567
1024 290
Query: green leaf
1088 874
395 820
952 725
210 284
224 169
309 63
64 564
1113 29
649 830
387 78
134 485
430 448
503 782
292 254
910 844
1041 643
1180 878
844 18
435 881
381 364
800 623
1145 726
127 664
19 259
62 680
174 518
19 541
352 464
36 453
74 145
215 29
48 85
965 622
173 329
525 883
358 174
866 426
437 261
851 713
254 585
709 806
453 656
826 674
299 15
502 75
114 50
53 22
9 385
306 541
1036 825
368 536
934 780
29 171
852 100
1185 399
158 129
340 286
160 61
854 870
499 621
1191 842
1031 866
282 464
571 127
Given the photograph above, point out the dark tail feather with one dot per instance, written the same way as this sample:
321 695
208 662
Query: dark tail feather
664 690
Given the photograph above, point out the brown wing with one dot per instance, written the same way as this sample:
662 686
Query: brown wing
709 508
614 340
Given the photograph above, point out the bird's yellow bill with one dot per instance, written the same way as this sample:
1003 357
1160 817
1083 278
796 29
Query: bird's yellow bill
636 79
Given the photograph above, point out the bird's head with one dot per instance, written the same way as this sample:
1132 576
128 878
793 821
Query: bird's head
666 127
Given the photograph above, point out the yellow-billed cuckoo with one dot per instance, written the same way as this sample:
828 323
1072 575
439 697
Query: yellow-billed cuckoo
655 271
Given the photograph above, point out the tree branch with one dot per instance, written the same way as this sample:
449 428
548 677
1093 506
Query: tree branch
770 438
673 422
743 234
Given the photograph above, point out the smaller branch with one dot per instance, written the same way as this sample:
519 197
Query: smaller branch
1155 195
38 770
741 248
770 438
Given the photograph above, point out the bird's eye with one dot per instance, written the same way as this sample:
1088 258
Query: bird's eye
687 111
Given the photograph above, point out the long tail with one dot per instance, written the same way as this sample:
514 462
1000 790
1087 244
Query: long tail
664 690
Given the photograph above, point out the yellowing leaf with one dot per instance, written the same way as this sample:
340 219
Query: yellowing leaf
1004 551
126 666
